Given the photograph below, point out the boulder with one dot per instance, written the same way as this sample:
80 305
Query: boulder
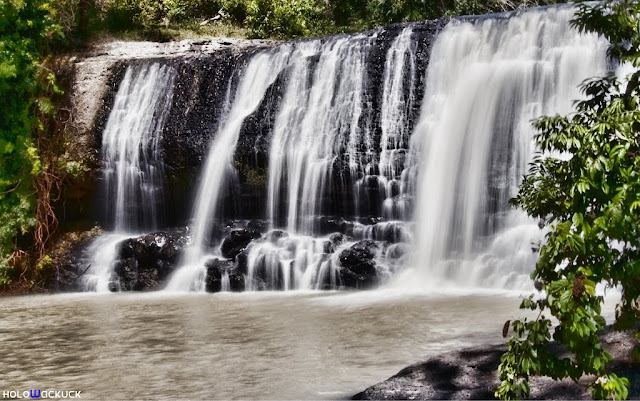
472 374
258 225
145 262
327 247
242 262
357 265
237 241
236 282
216 269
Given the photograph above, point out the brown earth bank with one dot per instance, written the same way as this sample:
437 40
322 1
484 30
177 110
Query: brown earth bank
472 374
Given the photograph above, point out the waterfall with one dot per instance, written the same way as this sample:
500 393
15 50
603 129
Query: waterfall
132 167
325 119
390 155
397 101
318 119
486 80
260 73
132 164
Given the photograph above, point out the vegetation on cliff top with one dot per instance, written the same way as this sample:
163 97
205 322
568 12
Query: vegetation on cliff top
584 185
279 19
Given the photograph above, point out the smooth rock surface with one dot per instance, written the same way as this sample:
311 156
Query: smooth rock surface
472 374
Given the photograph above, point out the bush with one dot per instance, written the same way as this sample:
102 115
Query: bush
389 11
26 28
281 18
590 201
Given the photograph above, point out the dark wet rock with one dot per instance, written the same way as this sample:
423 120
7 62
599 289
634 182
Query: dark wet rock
327 225
242 262
236 282
369 220
215 270
360 251
327 247
338 239
275 235
70 263
237 241
258 225
357 265
146 262
472 373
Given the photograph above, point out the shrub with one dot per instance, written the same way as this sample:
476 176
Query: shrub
590 200
282 19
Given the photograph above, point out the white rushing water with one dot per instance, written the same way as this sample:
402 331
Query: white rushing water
132 168
486 80
397 100
318 120
260 73
441 184
325 118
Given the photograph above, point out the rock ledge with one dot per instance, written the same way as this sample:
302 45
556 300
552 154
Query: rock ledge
472 374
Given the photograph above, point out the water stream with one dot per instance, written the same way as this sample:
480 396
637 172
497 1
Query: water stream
130 189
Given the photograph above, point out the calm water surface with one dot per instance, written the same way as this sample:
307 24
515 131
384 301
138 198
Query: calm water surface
233 346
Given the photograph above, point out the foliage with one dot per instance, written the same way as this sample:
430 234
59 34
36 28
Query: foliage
585 186
263 18
388 11
476 7
168 19
281 19
25 30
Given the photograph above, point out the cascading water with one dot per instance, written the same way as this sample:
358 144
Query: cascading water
397 101
324 117
260 73
132 168
385 157
318 119
487 79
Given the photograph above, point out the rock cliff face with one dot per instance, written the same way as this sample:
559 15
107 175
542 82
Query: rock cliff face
359 77
207 72
91 80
